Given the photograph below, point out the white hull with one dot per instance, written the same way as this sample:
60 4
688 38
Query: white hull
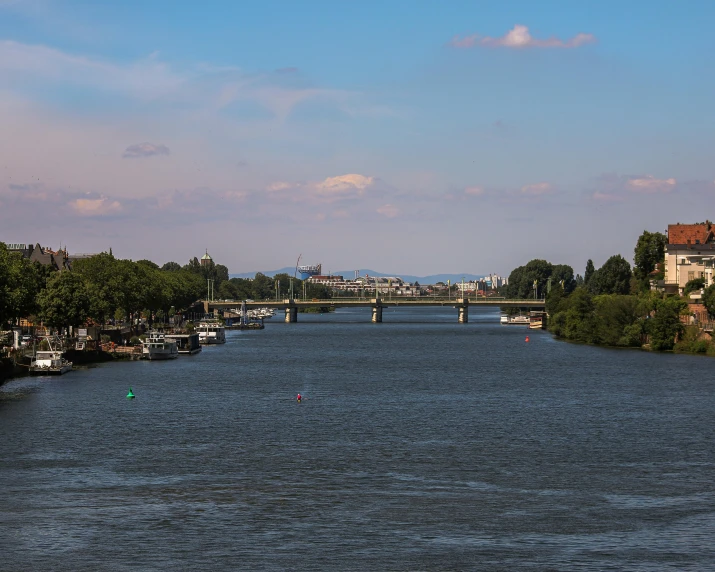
211 334
50 370
161 353
157 347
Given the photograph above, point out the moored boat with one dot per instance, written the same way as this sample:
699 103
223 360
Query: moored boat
49 361
157 347
211 333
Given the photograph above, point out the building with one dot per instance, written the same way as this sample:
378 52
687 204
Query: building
206 259
58 259
689 254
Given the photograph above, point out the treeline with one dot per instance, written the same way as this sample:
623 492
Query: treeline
103 289
612 305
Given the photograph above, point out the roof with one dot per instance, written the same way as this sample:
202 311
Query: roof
699 233
206 256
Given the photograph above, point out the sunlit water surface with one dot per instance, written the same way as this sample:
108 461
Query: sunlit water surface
421 444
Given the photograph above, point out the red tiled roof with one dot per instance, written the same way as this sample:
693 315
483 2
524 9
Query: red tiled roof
689 233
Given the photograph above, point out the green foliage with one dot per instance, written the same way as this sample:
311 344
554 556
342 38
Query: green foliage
649 252
694 284
689 342
620 321
709 299
171 267
65 301
614 277
522 279
20 282
590 269
665 326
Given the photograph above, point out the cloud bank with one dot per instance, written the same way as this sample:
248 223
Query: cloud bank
144 150
519 37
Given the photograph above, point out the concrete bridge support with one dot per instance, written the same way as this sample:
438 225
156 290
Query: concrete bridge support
376 311
463 310
291 314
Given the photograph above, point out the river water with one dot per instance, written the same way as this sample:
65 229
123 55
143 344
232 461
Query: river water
421 444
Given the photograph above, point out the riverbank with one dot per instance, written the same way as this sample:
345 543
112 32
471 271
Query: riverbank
11 368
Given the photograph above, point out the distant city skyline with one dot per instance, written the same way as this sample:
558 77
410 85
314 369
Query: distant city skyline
419 138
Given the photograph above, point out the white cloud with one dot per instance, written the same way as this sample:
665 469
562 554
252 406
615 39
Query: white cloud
343 183
519 37
279 186
96 207
537 189
649 184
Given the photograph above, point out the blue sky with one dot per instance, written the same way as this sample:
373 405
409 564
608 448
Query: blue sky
408 137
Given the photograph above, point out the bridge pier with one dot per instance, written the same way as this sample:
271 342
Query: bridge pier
376 311
291 314
463 308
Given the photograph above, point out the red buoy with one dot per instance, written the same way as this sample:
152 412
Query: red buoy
527 339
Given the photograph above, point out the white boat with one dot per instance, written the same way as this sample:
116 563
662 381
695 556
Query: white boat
50 361
514 320
157 347
211 333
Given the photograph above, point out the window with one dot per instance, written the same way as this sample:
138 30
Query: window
691 275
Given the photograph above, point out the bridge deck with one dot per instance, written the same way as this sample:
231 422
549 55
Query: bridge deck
383 302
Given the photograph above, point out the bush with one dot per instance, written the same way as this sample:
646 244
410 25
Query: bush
135 341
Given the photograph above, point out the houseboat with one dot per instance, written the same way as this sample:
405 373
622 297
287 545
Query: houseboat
187 344
519 320
157 347
211 333
50 361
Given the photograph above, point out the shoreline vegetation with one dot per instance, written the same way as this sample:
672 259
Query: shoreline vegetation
616 306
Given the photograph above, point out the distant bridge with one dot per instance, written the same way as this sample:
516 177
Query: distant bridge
462 305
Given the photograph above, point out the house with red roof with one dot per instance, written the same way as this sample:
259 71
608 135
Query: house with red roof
689 254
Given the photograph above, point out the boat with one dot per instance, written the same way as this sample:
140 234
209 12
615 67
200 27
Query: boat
50 361
514 320
211 333
537 320
187 344
157 347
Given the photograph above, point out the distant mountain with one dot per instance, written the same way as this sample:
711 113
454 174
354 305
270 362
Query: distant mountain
349 274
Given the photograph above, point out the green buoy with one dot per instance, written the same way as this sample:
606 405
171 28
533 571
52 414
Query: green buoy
130 395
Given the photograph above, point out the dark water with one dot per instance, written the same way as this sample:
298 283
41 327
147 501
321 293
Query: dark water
421 445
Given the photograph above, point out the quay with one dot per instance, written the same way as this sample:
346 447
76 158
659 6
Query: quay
291 306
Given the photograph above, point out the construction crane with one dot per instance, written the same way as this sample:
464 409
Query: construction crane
297 263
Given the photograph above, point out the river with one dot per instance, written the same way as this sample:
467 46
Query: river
421 444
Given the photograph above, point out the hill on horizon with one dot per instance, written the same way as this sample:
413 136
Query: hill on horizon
349 274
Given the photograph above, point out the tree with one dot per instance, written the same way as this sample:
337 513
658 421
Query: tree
709 299
616 314
665 326
562 276
692 285
100 274
19 285
614 277
576 318
65 301
590 269
522 279
171 267
649 252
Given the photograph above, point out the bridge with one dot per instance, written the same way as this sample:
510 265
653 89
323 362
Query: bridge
291 306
